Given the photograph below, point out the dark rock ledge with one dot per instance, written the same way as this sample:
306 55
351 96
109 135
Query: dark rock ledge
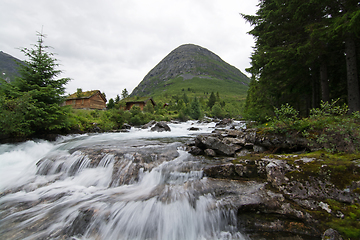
232 142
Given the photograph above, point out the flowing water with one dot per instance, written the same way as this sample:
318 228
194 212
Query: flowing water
136 185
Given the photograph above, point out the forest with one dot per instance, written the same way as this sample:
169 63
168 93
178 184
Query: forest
306 53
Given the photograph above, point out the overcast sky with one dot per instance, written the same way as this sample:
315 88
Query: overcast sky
112 44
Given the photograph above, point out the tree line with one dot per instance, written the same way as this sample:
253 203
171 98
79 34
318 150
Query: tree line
305 52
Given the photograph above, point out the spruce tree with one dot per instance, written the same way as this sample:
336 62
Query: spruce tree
38 80
211 101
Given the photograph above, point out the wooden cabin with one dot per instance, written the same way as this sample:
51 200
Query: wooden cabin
139 103
87 100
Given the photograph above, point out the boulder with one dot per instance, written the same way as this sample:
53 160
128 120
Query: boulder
149 124
218 145
195 150
126 126
226 122
331 234
161 127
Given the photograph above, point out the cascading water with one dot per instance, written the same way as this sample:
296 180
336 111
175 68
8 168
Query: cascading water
137 185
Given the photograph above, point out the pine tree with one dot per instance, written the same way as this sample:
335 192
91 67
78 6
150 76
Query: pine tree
195 109
111 104
37 81
211 101
124 93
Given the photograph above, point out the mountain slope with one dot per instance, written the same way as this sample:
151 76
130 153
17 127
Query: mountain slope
192 67
8 66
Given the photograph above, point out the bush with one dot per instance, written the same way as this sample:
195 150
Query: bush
327 126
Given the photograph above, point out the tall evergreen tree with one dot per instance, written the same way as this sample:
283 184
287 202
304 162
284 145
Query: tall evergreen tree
195 109
211 101
37 82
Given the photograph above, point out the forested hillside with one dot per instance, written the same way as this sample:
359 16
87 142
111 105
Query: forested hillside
305 52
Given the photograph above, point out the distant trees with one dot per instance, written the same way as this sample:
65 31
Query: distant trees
124 93
305 52
31 104
212 100
111 104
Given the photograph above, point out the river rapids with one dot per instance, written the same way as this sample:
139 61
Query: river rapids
135 185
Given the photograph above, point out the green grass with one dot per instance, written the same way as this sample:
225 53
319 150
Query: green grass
199 86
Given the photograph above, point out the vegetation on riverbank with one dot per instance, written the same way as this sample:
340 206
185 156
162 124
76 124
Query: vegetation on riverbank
329 127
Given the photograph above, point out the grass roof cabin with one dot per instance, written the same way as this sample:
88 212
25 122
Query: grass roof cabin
139 103
93 99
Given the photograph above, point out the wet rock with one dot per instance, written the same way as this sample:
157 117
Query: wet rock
149 124
218 145
331 234
224 123
160 127
210 152
80 223
195 150
126 126
193 129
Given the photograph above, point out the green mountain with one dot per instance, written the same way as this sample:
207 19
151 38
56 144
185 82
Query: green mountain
193 69
8 66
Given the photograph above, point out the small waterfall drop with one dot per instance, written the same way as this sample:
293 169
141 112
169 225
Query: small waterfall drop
111 186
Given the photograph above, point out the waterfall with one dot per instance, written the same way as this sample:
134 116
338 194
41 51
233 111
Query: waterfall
110 186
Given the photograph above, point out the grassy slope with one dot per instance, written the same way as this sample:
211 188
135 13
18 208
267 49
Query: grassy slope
199 87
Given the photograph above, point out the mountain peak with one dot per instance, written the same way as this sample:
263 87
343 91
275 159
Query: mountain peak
188 60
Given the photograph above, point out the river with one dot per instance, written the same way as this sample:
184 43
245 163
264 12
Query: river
135 185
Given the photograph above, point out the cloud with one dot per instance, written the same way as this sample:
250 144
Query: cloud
111 45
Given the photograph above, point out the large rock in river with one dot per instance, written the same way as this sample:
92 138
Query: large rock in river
161 127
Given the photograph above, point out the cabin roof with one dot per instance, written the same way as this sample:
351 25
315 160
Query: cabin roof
84 95
141 100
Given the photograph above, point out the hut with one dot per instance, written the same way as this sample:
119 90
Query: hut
87 100
139 103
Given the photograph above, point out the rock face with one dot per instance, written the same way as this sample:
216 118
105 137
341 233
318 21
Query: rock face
188 61
293 193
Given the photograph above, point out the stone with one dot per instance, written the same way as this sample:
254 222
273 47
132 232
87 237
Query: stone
331 234
195 150
149 124
210 152
242 153
215 143
224 123
258 149
161 127
126 126
193 129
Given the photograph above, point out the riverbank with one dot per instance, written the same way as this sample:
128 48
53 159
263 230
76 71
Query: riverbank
305 189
